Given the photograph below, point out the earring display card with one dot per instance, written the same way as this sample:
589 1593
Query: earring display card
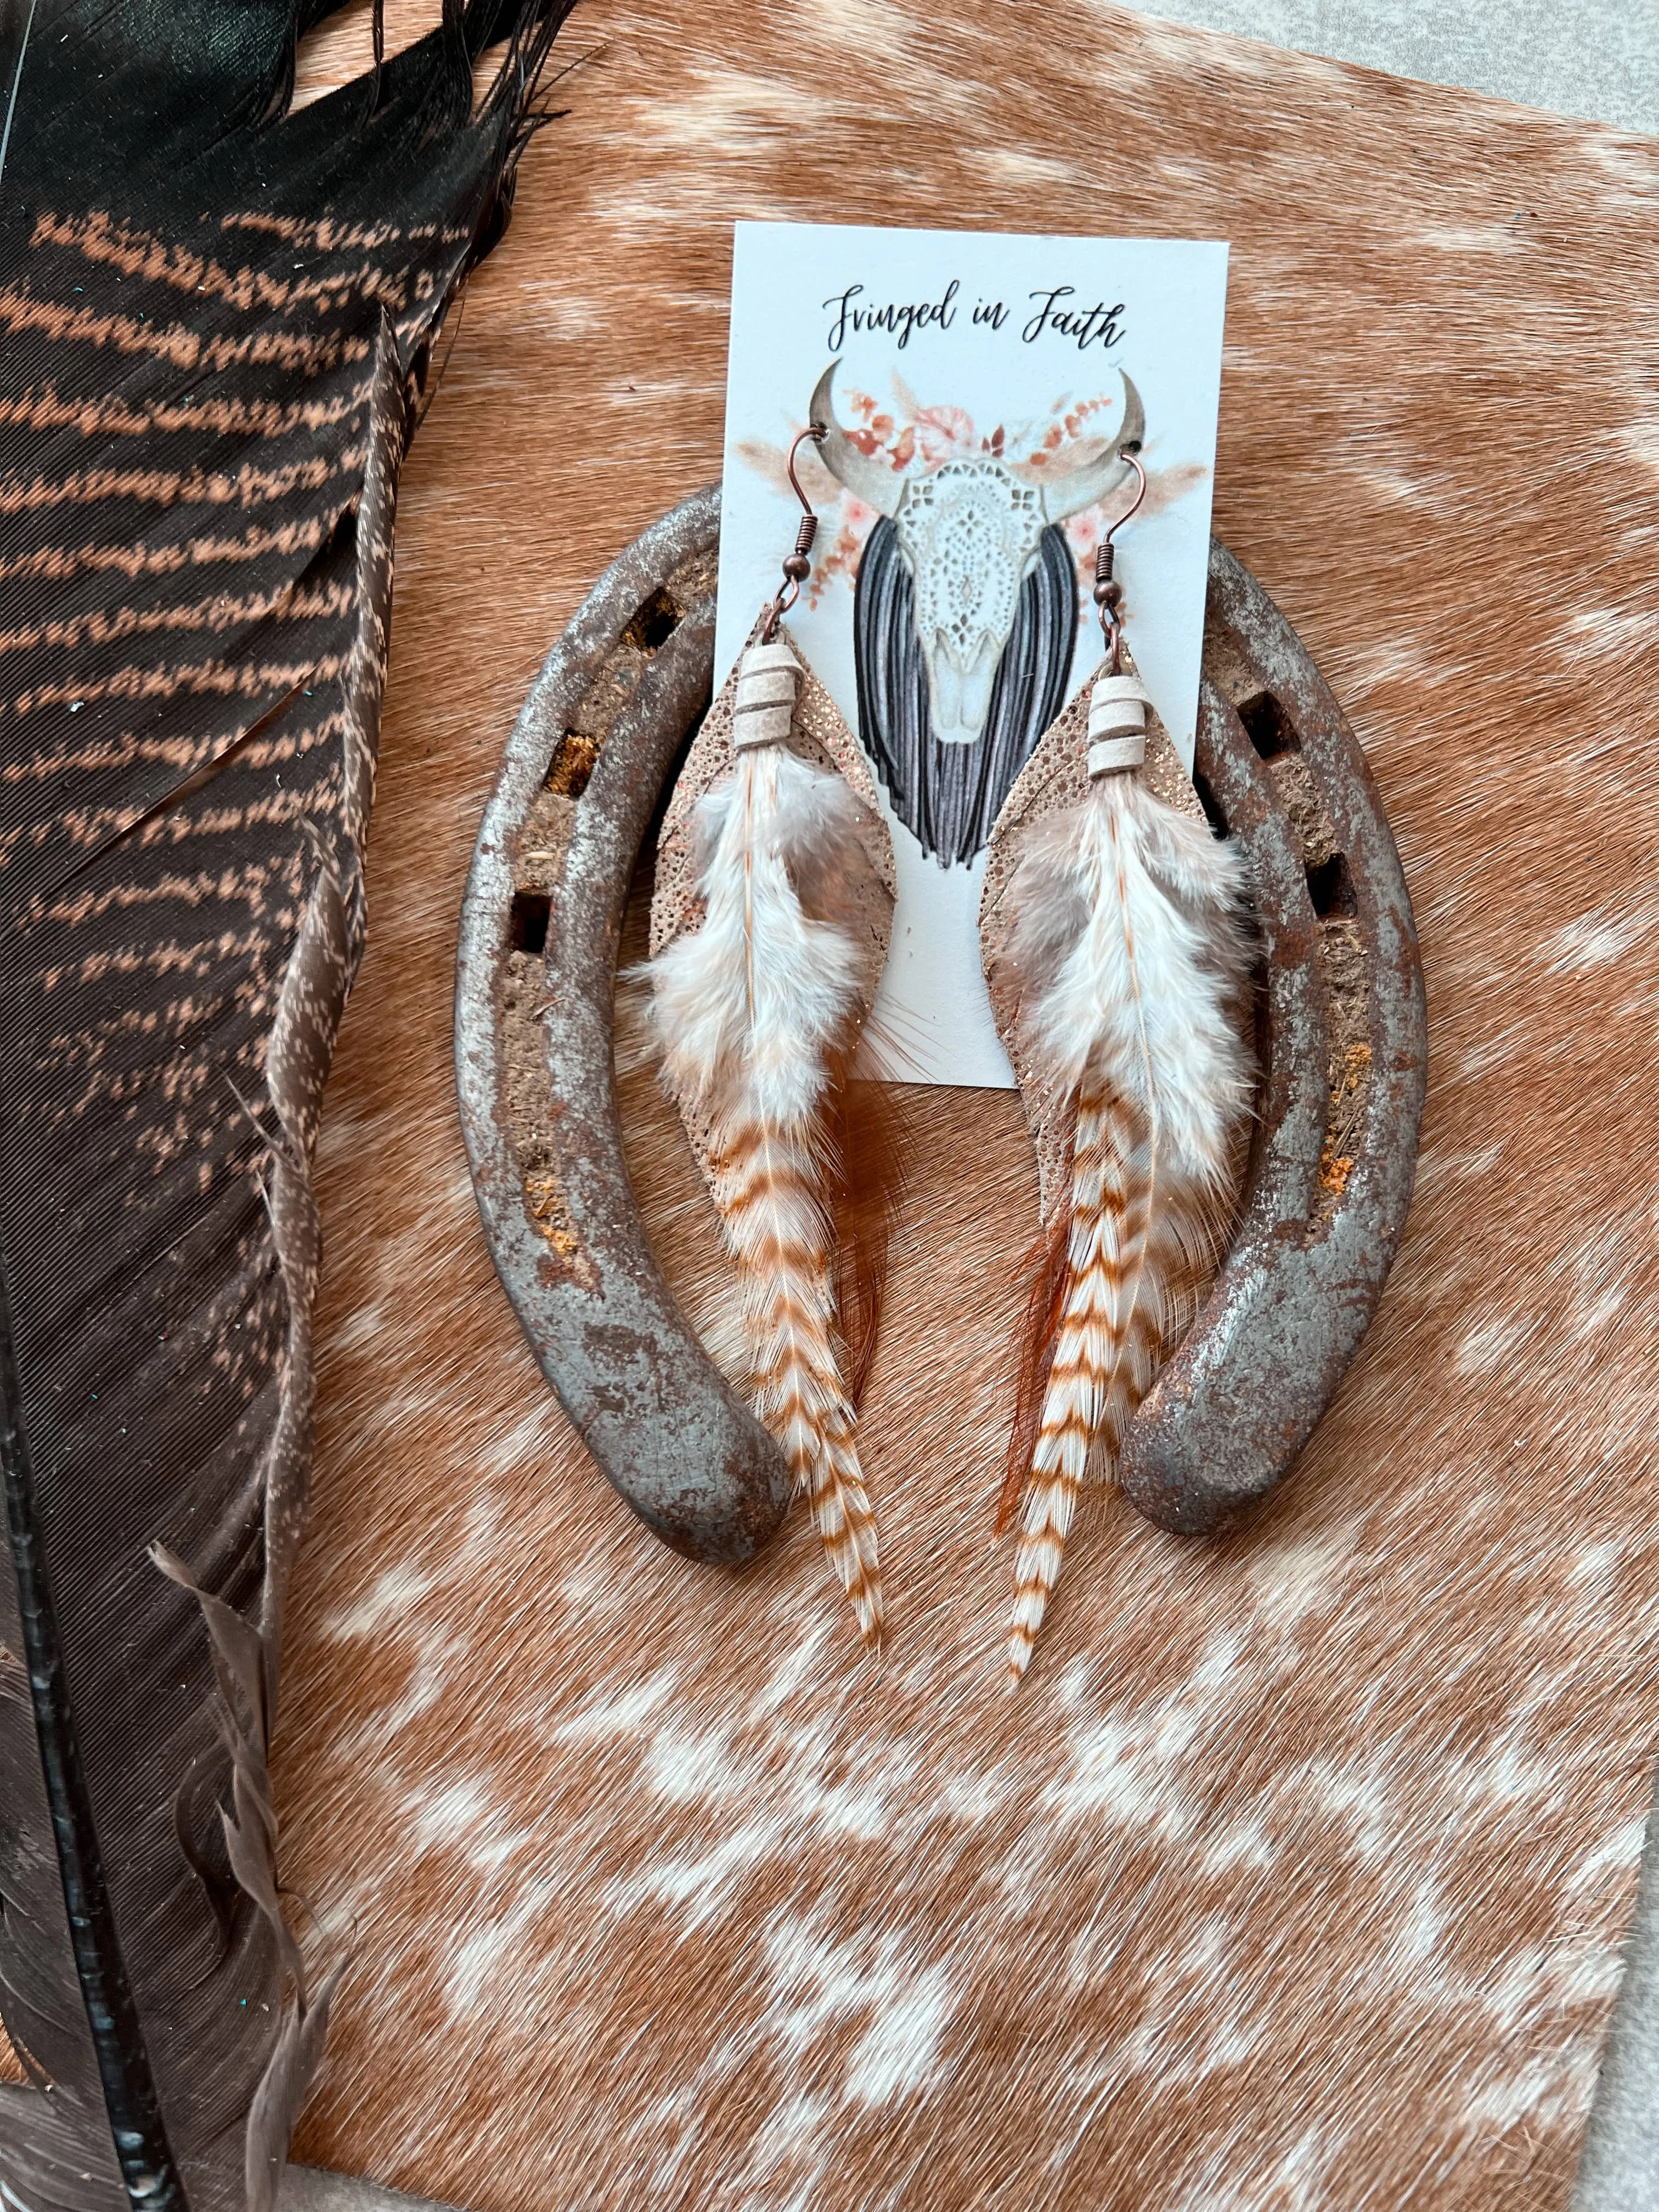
981 386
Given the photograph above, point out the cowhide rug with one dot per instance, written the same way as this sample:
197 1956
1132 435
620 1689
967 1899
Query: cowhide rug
1296 1879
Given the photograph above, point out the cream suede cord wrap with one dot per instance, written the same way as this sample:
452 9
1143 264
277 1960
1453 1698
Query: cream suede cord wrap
1117 725
768 677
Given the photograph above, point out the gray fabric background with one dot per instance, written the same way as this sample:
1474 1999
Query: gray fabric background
1619 2168
1593 57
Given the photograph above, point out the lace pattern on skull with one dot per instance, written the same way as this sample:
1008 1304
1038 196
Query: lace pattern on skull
969 532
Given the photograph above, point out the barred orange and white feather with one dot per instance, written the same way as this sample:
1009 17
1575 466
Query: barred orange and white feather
1127 929
766 1188
756 1013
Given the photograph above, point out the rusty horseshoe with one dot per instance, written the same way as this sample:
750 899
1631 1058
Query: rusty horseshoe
1341 1038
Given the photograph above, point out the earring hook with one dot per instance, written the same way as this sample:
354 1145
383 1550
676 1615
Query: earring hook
1109 592
817 433
1130 512
798 566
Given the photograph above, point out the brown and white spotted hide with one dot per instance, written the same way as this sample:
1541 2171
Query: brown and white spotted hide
1295 1879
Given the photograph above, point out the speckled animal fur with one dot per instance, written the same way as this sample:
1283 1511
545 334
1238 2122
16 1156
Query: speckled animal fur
1295 1880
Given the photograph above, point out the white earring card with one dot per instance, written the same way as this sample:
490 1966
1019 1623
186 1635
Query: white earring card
982 388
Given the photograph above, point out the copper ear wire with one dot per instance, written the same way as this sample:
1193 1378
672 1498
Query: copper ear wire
818 432
799 565
1109 592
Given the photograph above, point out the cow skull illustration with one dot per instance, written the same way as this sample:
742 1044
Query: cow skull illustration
968 534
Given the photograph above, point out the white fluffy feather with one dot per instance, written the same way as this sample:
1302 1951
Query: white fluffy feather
755 1014
1150 983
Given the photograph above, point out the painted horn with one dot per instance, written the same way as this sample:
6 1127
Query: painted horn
866 479
1342 1045
1069 491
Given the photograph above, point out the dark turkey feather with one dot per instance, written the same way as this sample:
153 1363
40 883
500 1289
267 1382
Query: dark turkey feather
949 796
216 319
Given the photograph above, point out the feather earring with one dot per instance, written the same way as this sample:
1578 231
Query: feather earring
1116 949
769 926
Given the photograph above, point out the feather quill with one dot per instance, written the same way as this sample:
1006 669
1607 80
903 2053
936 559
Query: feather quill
1130 951
216 323
756 1015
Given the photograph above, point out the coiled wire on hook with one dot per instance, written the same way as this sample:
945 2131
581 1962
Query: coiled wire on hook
1109 592
799 565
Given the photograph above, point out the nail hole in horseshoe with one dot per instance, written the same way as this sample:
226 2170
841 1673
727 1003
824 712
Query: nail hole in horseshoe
1330 886
527 920
571 765
1267 727
654 622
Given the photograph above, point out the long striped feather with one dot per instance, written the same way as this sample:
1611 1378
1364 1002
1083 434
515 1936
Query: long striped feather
1127 933
756 1013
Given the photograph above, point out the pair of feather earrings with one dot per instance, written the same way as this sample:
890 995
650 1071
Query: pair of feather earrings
1114 946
